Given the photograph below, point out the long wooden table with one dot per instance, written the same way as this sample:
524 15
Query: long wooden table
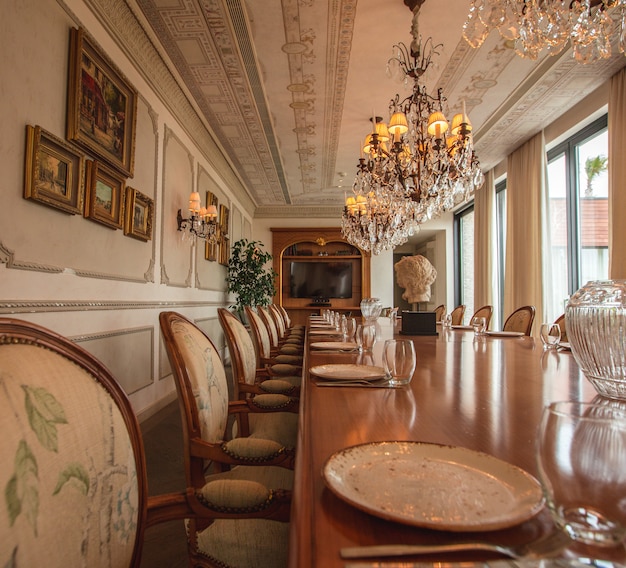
485 394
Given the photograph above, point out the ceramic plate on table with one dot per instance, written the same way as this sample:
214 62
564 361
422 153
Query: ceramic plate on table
434 486
465 327
338 345
329 331
505 333
348 372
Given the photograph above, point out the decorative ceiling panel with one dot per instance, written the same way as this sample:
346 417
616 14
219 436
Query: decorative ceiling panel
288 86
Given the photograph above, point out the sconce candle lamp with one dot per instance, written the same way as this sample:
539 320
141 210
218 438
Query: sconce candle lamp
202 221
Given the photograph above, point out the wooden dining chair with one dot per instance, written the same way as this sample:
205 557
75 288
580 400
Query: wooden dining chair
483 312
250 479
276 418
294 349
560 321
439 312
521 320
287 318
457 315
283 324
277 365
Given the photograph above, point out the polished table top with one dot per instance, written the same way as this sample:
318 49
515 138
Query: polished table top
486 394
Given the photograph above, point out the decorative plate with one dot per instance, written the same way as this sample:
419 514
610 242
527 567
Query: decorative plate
336 372
434 486
505 333
339 345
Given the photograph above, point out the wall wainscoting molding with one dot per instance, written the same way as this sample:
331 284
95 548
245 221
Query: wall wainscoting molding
42 306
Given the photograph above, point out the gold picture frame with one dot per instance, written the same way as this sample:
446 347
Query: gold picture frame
139 214
101 105
211 250
224 250
54 172
104 201
224 219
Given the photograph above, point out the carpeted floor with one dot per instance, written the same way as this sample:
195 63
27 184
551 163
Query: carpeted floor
165 544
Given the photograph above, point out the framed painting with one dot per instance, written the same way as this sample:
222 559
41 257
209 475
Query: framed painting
101 105
212 250
139 213
224 250
104 195
54 172
224 219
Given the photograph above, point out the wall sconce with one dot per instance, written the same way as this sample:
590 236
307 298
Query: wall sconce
202 222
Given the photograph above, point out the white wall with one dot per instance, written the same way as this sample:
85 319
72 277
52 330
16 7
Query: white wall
81 279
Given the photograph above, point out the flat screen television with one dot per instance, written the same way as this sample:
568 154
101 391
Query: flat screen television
321 279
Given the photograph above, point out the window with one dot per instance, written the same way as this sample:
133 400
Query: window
498 309
577 183
464 245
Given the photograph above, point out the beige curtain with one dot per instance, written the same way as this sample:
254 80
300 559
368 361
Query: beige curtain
524 198
485 283
617 176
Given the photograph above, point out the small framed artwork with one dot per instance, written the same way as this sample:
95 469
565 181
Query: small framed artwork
211 250
223 219
101 105
139 212
104 195
224 250
211 199
54 172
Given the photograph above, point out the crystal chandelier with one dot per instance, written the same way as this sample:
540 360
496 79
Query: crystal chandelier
418 166
377 216
535 25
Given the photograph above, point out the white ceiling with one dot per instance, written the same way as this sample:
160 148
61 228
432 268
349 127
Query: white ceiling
288 86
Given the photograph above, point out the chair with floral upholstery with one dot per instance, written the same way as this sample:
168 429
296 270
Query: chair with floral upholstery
483 312
253 476
276 413
276 366
72 470
294 351
457 315
521 320
439 312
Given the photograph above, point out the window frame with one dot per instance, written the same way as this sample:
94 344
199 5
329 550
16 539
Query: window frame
567 148
458 248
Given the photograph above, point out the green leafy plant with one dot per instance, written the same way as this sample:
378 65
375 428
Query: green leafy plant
248 276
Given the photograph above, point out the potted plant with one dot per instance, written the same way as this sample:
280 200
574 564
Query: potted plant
248 276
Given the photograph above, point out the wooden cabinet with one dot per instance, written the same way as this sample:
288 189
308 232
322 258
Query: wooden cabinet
314 266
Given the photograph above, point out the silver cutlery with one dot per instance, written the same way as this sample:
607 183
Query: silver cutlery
544 547
355 383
